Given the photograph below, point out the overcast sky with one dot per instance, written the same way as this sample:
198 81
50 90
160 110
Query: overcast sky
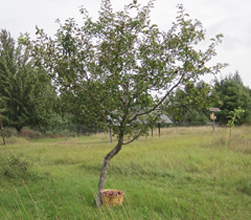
229 17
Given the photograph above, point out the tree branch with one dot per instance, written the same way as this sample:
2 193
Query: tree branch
161 101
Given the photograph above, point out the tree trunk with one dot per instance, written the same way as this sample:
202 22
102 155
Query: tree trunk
105 166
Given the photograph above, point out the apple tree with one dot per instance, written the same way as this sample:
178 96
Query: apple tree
124 67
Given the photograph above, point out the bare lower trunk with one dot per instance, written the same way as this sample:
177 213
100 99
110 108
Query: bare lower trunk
104 170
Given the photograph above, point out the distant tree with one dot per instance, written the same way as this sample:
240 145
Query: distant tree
125 65
26 94
233 94
233 117
191 104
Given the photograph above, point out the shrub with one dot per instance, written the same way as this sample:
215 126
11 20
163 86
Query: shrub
33 134
15 170
9 132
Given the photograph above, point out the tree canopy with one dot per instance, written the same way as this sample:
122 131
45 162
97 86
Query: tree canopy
25 92
233 95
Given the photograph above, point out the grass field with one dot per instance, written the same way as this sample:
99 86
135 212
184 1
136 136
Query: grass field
188 173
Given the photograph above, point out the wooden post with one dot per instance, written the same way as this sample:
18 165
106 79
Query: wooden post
110 134
159 128
1 125
213 123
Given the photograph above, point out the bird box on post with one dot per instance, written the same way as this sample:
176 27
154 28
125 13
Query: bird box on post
212 116
212 109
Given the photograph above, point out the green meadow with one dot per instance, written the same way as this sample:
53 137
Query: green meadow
187 173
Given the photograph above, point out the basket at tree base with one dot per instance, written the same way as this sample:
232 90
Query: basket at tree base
112 197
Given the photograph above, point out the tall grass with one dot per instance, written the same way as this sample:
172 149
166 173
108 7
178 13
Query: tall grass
187 173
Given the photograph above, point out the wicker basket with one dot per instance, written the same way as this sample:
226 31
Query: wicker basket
112 199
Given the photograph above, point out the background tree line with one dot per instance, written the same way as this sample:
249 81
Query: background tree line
29 98
228 93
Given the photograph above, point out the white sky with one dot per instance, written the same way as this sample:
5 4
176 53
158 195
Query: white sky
229 17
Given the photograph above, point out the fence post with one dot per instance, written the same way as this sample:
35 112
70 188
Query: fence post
110 134
1 125
159 128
